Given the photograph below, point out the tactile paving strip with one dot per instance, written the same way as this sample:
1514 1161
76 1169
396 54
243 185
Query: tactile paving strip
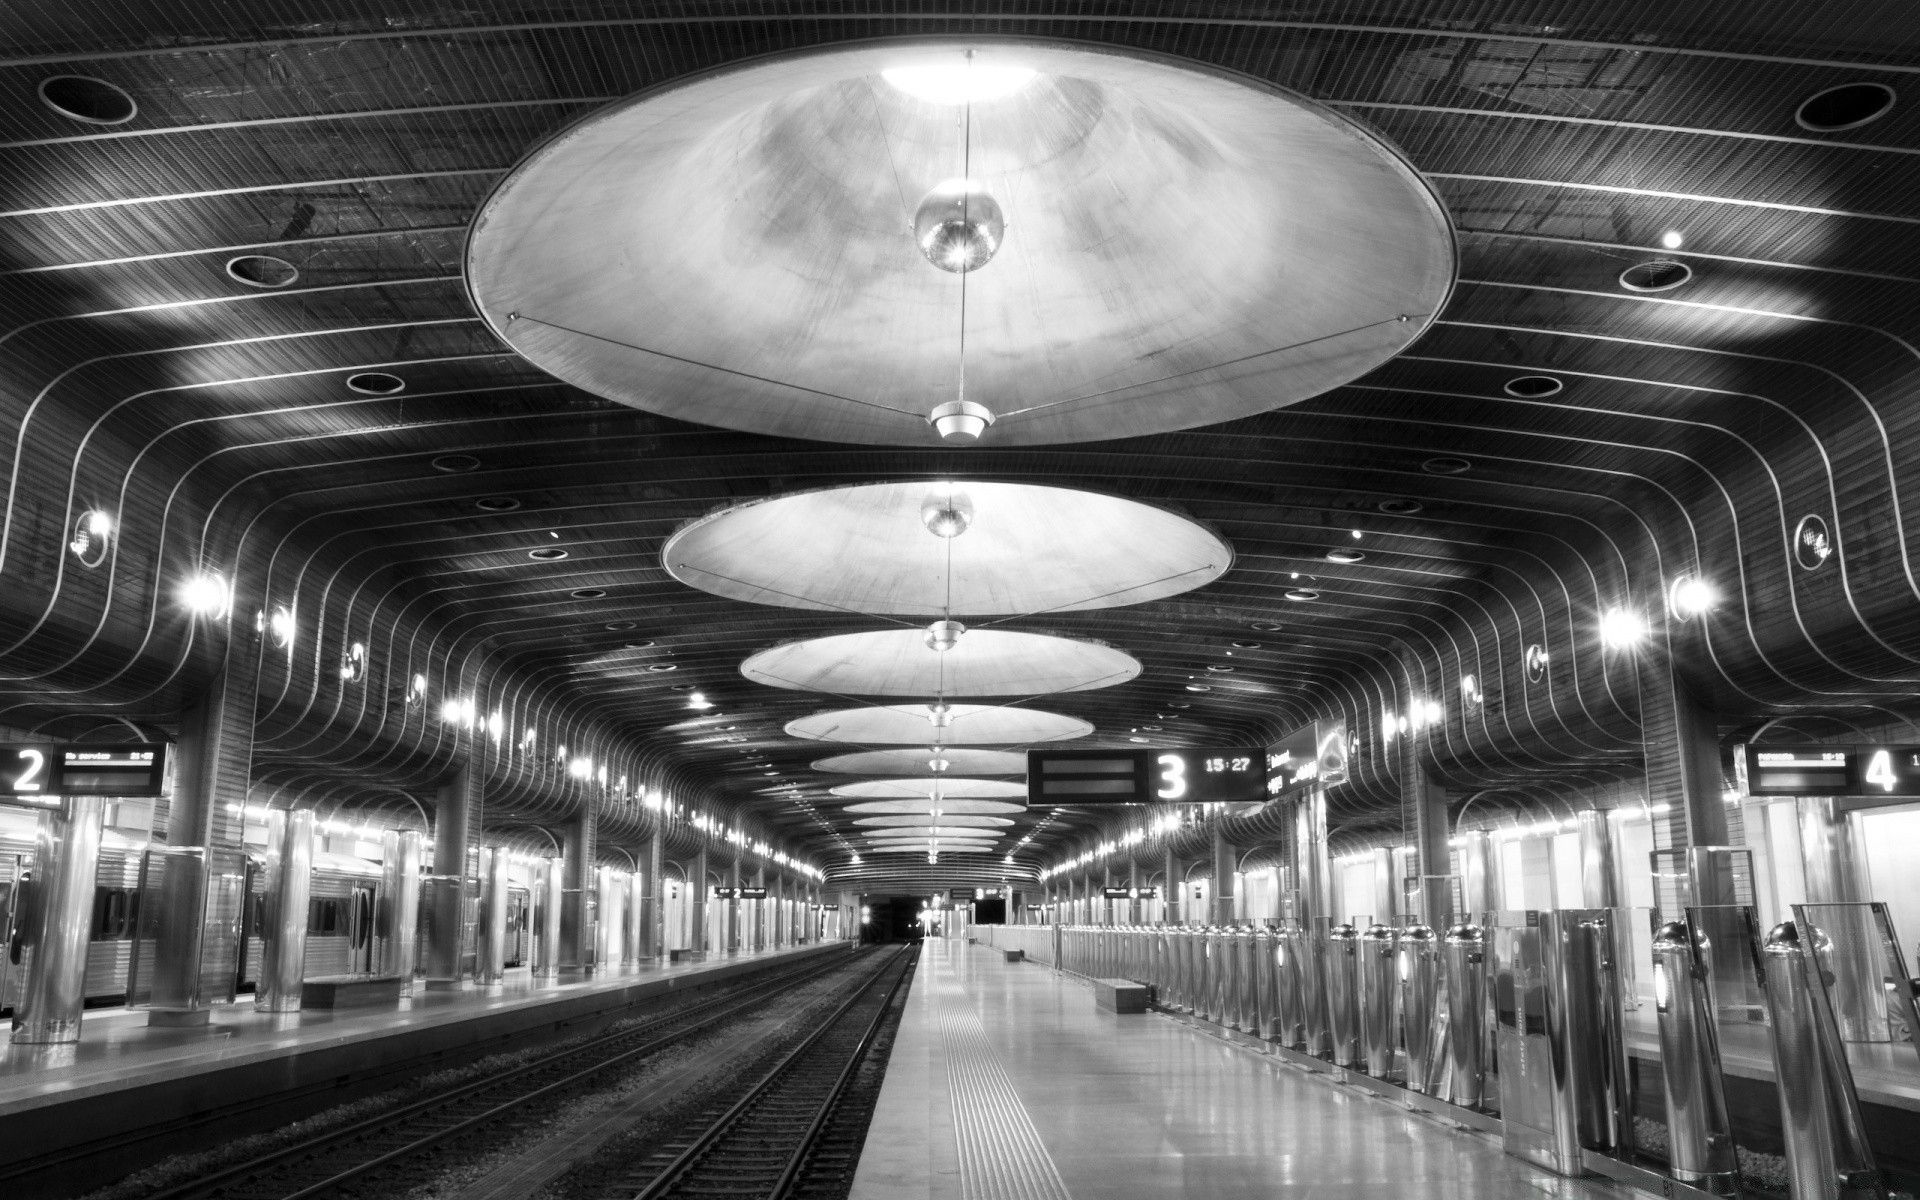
1001 1156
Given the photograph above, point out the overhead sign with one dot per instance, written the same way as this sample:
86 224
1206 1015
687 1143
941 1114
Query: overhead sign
1120 893
1312 756
1860 770
1087 777
739 893
964 895
38 773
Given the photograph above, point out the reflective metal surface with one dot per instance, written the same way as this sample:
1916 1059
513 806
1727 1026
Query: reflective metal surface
1468 1036
1699 1135
66 854
283 937
399 921
490 961
1423 1008
1343 994
548 898
1378 972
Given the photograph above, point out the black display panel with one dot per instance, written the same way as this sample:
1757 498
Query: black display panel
139 770
1800 771
29 772
1120 893
1084 777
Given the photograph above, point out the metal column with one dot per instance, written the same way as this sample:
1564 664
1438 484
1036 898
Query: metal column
66 854
399 922
490 958
445 904
577 904
549 898
283 950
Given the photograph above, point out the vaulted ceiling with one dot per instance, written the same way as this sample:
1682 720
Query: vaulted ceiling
1557 444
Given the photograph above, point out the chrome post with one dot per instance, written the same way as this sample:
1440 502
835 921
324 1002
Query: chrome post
283 940
1264 969
399 904
1379 989
1828 1157
548 897
490 960
59 918
1343 993
1479 874
608 937
1699 1136
1466 957
1315 973
1422 1013
1289 959
636 914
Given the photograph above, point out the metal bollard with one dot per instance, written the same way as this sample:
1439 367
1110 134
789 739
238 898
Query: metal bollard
1466 964
1314 974
1699 1136
1343 993
1379 991
1289 957
1260 963
1828 1157
1207 980
1422 1008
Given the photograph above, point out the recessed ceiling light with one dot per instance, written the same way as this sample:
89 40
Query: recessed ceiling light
87 100
1345 556
663 667
1847 106
1199 687
618 626
1532 387
1672 239
639 645
547 554
1446 466
1246 645
1265 627
375 383
1302 594
262 271
1400 508
1660 275
453 464
588 593
1222 669
965 82
496 503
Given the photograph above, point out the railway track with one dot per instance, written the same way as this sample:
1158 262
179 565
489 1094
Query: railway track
321 1164
765 1144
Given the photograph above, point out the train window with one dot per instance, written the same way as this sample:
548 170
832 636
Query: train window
114 910
323 916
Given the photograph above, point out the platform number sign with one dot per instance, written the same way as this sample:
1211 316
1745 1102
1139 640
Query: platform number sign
28 771
1205 776
1829 770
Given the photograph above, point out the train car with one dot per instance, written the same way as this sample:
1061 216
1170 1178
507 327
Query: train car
114 921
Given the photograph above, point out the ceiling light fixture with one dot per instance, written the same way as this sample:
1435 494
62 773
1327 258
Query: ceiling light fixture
947 515
91 534
1690 596
207 595
942 636
1673 239
1622 628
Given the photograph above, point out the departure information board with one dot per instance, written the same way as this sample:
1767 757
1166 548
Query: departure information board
1120 893
739 893
1863 770
39 773
1083 777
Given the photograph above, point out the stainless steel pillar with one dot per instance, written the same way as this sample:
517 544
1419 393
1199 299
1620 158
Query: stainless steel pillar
1314 974
1699 1135
1343 993
653 942
283 943
636 918
1379 989
399 923
1598 886
1225 862
455 817
1421 1013
1312 869
611 934
1479 874
1467 1032
548 896
490 958
577 907
66 855
1289 1022
1386 888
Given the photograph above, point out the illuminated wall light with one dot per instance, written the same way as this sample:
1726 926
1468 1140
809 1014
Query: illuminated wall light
1470 691
698 702
1673 239
496 725
353 664
208 595
1690 597
281 627
92 534
1622 628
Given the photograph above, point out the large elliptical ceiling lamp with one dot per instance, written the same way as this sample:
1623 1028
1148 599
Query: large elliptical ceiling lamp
737 247
1019 549
953 760
982 662
918 820
932 787
944 725
955 805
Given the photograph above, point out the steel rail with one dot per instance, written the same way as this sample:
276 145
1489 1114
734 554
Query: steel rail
708 1015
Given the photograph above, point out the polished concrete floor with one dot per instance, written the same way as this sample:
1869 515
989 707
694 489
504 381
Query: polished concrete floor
1006 1083
117 1048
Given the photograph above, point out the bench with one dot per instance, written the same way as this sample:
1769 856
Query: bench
350 991
1014 956
1120 995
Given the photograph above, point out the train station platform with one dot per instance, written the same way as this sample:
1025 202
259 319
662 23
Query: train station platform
127 1093
1008 1083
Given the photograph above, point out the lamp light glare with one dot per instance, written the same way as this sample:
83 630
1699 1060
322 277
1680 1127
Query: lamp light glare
698 702
1673 239
942 636
958 83
1622 628
207 595
1690 596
